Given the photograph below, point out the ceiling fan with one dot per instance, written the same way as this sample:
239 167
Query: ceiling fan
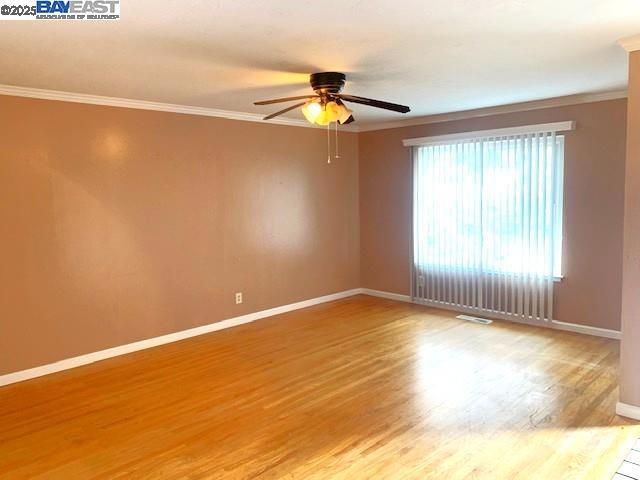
327 104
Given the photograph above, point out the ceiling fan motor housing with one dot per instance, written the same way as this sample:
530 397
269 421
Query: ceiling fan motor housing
327 82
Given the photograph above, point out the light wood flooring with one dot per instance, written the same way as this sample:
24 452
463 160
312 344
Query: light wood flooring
361 388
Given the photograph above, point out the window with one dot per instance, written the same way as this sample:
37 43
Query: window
489 207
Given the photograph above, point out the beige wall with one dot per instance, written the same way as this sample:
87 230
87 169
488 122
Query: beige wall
593 206
630 345
120 225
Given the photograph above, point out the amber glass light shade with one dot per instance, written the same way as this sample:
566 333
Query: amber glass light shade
311 110
317 113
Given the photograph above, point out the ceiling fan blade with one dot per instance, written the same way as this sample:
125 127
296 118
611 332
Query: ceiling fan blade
286 99
269 117
374 103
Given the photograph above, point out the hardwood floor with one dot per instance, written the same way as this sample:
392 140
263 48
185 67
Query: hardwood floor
357 388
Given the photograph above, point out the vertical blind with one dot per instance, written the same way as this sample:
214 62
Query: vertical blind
487 223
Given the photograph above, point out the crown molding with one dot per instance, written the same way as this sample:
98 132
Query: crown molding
510 108
630 44
43 94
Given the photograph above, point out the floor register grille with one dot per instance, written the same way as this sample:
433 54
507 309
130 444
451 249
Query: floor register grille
630 467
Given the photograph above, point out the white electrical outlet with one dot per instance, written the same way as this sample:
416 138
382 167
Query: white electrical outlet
238 298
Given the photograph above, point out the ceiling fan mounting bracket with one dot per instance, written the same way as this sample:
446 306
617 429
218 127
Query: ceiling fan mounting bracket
324 83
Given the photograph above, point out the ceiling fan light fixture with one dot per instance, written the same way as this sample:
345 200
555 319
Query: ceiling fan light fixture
311 110
343 113
332 111
324 118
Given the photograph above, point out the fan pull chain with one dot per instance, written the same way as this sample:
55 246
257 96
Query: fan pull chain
337 154
328 142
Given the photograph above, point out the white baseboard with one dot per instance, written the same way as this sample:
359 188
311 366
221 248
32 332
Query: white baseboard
629 411
391 296
85 359
169 338
555 324
586 329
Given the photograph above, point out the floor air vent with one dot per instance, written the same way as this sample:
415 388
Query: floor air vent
469 318
630 468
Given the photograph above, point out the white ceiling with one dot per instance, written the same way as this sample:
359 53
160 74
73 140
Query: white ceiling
435 56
